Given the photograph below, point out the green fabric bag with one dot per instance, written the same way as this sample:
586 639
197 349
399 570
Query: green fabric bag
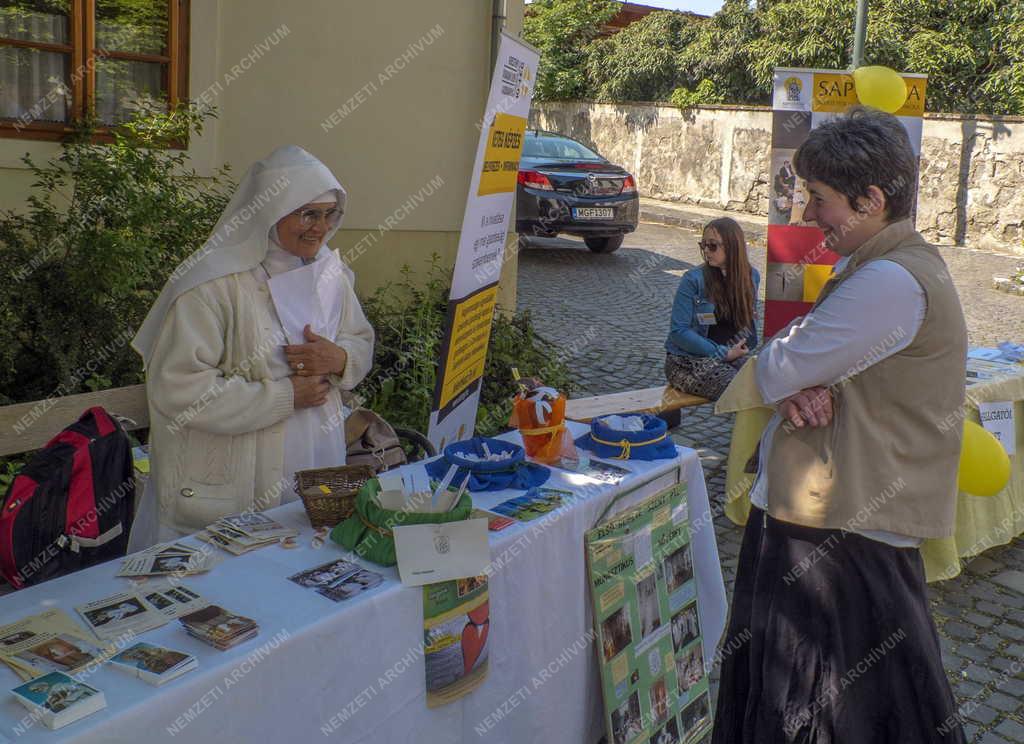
368 531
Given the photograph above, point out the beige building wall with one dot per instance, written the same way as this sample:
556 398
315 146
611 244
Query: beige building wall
387 93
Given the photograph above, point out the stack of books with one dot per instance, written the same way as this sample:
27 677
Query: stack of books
57 699
241 533
154 664
219 628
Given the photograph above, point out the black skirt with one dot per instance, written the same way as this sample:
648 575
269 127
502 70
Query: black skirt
830 641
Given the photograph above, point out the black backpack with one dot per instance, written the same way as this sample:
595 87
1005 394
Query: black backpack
72 504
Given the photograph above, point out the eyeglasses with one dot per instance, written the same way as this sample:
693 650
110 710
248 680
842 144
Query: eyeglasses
310 217
709 246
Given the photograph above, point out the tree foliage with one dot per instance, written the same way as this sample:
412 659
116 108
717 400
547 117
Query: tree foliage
641 62
562 30
103 228
971 50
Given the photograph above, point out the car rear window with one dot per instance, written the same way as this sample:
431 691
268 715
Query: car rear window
556 148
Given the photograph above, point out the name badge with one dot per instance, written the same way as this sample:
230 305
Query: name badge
706 319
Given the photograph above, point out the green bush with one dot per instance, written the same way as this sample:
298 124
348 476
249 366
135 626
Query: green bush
408 317
82 263
704 93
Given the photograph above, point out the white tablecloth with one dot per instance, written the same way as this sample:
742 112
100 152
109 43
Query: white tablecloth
353 672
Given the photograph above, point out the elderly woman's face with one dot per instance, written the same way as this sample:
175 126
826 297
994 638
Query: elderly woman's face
302 232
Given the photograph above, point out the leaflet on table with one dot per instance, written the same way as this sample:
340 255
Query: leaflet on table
125 613
650 649
456 624
338 580
428 553
495 522
172 599
49 642
983 370
535 503
598 471
167 559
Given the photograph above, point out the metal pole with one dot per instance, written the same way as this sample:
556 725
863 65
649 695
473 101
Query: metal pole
859 32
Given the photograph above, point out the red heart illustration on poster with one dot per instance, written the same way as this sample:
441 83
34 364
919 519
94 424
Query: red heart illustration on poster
474 635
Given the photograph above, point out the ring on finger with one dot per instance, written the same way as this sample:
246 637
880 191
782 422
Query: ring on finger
300 365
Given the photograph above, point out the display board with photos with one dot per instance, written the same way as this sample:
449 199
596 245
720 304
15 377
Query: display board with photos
650 648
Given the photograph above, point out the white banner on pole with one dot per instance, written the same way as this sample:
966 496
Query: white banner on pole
485 226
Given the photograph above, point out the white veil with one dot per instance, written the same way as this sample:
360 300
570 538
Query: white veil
281 183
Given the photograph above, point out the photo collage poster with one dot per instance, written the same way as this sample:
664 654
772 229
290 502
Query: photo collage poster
649 642
798 262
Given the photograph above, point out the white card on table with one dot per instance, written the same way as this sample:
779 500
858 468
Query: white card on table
428 553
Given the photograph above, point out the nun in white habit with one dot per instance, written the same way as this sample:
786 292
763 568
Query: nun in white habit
247 349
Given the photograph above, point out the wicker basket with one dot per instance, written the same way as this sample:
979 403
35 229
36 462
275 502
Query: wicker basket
326 509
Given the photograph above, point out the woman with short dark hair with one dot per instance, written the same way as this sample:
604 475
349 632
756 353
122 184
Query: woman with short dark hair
713 326
830 614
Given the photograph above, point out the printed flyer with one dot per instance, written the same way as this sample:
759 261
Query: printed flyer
650 649
456 623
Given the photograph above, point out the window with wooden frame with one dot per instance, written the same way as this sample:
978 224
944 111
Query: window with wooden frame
64 60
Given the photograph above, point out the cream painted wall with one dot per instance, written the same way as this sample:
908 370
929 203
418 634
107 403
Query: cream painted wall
387 93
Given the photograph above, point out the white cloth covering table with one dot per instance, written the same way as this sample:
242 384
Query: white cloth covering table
353 672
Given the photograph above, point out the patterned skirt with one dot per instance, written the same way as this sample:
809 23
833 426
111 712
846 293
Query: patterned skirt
703 376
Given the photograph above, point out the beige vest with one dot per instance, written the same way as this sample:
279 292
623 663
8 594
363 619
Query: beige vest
887 461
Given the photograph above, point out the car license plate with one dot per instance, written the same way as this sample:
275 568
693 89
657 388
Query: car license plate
593 213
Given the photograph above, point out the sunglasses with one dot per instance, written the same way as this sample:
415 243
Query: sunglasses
310 217
709 246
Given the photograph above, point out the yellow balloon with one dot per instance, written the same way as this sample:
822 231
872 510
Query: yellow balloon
881 87
984 464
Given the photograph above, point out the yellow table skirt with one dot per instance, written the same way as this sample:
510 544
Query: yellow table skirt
981 522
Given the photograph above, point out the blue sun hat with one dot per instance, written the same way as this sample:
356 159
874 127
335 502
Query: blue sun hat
473 456
628 436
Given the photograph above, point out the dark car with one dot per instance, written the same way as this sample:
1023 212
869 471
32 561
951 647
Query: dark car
565 187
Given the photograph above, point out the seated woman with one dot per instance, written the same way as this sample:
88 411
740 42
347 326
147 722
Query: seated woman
713 314
248 347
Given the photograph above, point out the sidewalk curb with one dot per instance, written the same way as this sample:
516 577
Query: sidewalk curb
755 233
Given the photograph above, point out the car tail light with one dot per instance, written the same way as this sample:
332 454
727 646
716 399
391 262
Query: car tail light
628 185
534 180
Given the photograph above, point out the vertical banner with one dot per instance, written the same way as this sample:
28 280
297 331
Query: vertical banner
485 223
650 648
799 264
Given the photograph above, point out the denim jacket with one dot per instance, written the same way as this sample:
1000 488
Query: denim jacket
686 336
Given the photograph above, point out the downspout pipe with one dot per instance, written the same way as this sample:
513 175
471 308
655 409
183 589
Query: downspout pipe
497 24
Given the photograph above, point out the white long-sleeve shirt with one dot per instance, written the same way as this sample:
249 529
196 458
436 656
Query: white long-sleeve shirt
872 315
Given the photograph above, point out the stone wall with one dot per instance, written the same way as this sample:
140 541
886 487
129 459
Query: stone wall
972 169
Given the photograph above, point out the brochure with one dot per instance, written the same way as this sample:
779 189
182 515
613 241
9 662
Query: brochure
120 615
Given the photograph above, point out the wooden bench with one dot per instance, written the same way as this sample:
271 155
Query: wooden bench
665 402
28 426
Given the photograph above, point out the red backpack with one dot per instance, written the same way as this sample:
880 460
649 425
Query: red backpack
72 504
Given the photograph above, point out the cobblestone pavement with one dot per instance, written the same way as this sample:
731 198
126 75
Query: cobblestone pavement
611 312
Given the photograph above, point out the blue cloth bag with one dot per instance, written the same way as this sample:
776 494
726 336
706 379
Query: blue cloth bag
485 475
651 443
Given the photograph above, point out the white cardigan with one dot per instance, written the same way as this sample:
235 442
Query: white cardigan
217 415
